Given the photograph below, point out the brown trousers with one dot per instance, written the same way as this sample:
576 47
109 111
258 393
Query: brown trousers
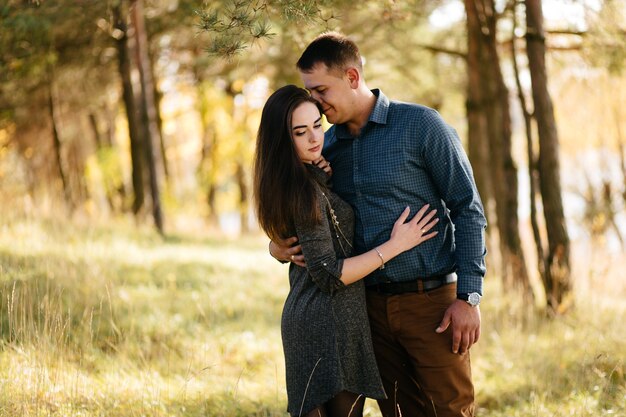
421 375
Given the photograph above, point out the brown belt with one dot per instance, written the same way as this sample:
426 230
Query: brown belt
418 285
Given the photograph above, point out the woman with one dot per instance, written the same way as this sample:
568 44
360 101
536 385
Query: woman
329 358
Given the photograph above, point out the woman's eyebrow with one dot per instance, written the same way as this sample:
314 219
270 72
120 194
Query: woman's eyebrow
301 126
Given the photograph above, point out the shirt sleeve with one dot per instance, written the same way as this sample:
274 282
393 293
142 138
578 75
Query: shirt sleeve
452 175
322 263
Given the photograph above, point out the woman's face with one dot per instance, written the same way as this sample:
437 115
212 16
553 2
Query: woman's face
307 132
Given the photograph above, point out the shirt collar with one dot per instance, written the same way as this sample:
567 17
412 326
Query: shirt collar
381 108
378 114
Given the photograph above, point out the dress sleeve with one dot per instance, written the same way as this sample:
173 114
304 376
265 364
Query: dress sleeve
316 241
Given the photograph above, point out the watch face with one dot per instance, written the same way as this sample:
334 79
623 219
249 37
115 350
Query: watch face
473 298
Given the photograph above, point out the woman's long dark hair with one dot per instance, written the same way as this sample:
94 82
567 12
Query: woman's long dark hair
283 189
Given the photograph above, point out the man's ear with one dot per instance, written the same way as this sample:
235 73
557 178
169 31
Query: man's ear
354 77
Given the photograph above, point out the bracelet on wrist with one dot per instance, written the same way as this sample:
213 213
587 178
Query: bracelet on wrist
382 259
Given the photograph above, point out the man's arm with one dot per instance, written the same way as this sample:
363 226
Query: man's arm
453 177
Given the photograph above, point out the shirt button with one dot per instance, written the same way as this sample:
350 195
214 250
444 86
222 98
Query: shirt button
324 264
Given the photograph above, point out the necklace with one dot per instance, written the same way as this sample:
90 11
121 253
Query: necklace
338 231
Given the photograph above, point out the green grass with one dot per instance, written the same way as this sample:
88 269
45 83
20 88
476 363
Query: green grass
112 320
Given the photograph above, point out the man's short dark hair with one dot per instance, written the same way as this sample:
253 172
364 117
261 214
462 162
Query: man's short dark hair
334 50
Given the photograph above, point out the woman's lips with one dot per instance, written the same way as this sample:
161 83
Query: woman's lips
315 149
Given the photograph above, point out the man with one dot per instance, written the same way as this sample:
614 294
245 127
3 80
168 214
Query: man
385 155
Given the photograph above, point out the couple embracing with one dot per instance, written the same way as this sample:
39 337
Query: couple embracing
386 248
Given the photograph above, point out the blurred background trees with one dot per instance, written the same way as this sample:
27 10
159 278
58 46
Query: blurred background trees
149 108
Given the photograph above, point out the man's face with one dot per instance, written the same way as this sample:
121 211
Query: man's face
332 90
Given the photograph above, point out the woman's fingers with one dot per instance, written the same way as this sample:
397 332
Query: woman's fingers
426 219
403 216
324 164
431 235
321 160
418 216
429 225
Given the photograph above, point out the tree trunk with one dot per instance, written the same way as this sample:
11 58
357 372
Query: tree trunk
158 96
477 139
620 148
101 147
478 142
212 203
494 94
75 162
533 176
56 141
499 125
243 197
93 123
111 141
110 126
239 119
607 206
207 169
558 284
148 112
136 146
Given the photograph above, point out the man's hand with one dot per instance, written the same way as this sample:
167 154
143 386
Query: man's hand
284 251
465 321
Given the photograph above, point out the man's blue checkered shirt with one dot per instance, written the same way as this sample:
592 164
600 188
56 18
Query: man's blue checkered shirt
406 155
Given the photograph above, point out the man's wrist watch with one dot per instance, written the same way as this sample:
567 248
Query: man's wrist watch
472 298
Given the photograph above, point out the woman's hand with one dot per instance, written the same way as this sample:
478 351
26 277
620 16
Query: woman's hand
407 235
325 165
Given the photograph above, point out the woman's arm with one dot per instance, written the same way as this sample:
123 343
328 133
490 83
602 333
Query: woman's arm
404 236
331 273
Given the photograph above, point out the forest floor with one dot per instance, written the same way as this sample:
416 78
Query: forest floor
113 320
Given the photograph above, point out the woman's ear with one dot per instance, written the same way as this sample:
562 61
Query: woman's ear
354 77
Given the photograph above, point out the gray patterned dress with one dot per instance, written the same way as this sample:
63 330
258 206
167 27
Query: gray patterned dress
325 330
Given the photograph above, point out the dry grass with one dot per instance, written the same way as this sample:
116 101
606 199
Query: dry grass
109 320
